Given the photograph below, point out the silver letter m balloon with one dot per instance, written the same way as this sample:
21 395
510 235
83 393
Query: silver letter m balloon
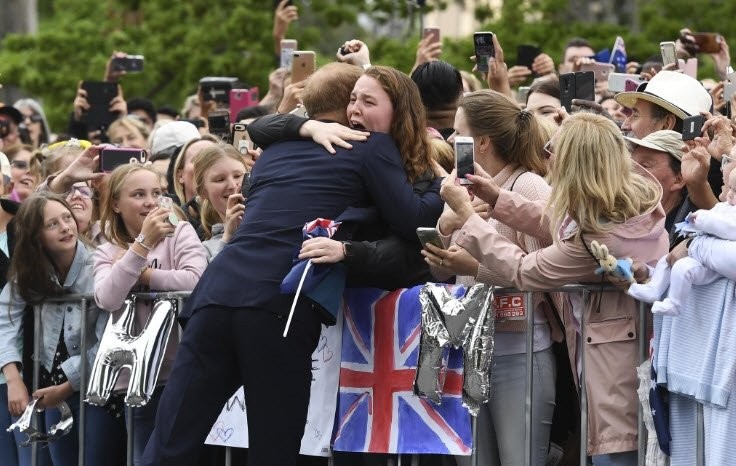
465 323
142 354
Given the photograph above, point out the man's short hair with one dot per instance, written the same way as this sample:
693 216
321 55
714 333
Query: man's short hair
328 89
137 103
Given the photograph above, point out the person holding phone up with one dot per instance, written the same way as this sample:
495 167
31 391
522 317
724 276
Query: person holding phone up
508 146
593 198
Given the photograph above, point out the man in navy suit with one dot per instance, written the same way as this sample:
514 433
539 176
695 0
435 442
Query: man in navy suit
236 314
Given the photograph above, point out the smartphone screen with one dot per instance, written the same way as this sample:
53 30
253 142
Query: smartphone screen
483 49
431 236
287 52
129 64
219 124
113 157
464 149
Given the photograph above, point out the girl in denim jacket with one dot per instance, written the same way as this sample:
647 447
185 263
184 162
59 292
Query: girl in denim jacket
50 260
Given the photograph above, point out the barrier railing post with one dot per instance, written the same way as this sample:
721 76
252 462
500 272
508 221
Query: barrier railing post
643 355
583 389
129 427
228 456
82 383
699 435
474 450
529 312
36 372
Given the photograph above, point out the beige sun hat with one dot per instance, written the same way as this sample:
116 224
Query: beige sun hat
664 140
675 92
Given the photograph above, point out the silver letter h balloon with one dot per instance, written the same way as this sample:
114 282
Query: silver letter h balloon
466 323
142 354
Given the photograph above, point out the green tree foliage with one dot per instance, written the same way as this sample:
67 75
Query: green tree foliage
184 41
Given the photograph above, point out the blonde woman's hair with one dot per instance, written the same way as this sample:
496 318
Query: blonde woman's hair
179 165
203 161
443 154
131 123
593 179
110 221
516 135
58 158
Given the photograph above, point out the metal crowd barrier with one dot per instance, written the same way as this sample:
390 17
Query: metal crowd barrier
585 289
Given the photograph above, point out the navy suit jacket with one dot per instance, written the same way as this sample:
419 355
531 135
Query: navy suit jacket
293 183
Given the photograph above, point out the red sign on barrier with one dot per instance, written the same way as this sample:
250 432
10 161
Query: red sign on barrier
509 307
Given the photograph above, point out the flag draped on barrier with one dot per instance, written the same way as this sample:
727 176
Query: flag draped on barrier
378 411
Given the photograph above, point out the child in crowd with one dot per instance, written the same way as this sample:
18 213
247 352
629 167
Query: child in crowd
50 260
219 171
710 256
149 248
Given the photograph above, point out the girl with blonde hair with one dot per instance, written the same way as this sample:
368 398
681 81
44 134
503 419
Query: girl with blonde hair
219 171
508 144
596 195
149 248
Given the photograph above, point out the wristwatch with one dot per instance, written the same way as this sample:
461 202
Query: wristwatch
140 240
347 249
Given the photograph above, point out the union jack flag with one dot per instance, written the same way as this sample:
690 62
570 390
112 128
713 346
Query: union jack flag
377 409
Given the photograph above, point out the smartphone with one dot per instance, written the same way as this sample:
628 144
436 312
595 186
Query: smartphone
668 53
464 158
617 81
99 96
708 42
219 124
197 122
522 94
303 64
240 138
113 157
567 90
217 89
484 49
287 51
240 99
129 63
601 71
525 55
300 111
689 66
692 127
728 90
578 85
433 34
276 3
631 85
585 85
431 236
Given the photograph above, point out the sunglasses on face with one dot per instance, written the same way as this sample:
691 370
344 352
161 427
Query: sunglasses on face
35 118
19 164
82 191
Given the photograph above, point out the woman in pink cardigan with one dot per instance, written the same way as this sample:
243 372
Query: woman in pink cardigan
509 145
596 195
148 249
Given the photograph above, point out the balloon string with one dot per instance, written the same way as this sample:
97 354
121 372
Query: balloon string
296 296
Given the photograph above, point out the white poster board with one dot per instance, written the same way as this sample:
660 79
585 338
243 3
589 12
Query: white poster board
231 427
